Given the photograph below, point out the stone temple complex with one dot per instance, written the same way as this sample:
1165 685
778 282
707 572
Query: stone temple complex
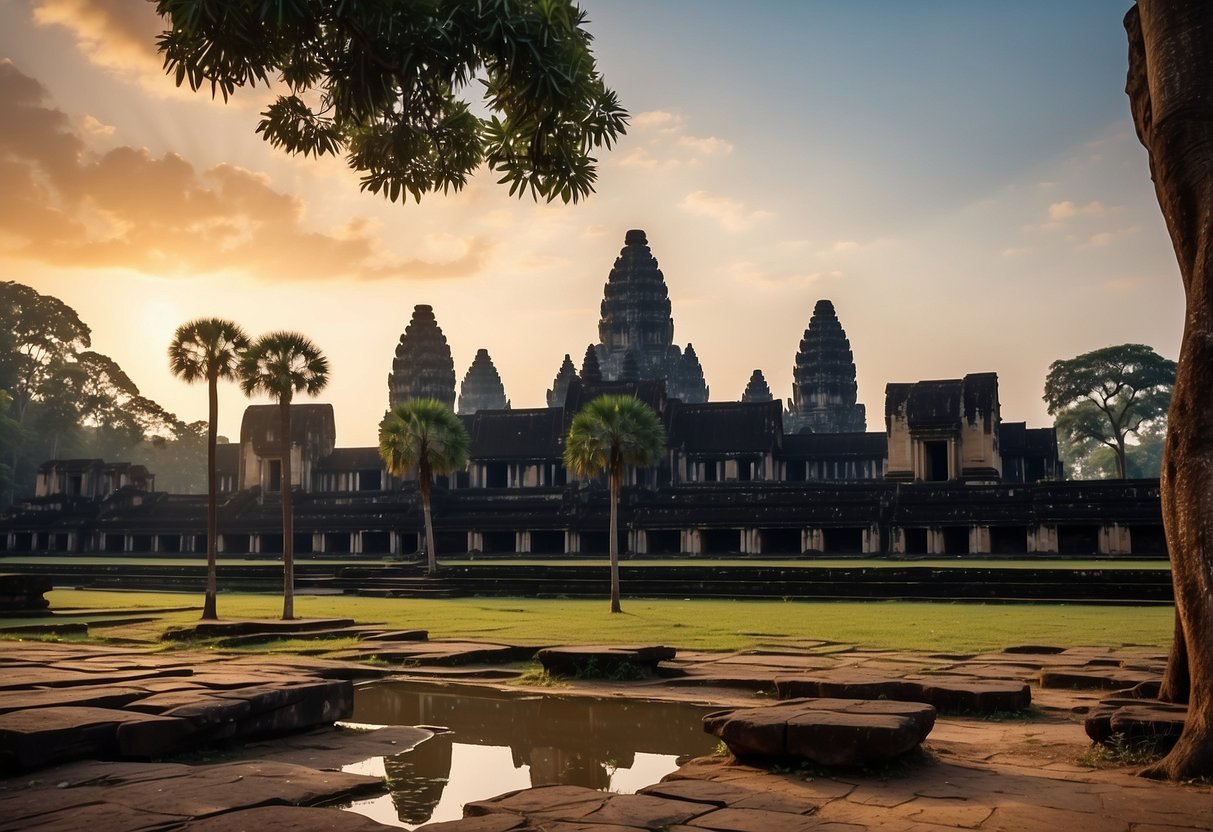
944 474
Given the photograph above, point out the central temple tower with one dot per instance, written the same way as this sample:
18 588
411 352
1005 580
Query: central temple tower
635 315
824 387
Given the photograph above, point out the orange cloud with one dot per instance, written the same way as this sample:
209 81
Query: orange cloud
64 206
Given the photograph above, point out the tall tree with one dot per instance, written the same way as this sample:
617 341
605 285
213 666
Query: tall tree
385 83
609 434
40 333
1170 88
208 349
1109 394
424 434
280 365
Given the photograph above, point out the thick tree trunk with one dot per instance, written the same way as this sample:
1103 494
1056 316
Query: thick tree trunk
288 520
1170 87
616 475
210 606
424 486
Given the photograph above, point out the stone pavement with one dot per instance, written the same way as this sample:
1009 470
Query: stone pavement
67 711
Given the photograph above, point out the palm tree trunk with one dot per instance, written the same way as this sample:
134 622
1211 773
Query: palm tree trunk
288 524
1170 89
209 606
616 475
423 485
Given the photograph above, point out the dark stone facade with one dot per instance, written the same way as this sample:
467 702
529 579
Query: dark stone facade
635 314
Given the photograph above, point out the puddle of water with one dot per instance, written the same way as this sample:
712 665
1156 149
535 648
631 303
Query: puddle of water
501 741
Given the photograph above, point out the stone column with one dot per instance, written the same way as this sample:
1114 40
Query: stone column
979 540
475 541
572 542
1114 540
522 542
871 539
1042 539
640 543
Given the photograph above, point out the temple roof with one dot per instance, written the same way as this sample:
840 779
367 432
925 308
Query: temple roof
635 313
725 427
351 459
261 421
532 433
865 445
756 389
824 387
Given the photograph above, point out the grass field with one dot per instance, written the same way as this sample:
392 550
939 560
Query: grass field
692 624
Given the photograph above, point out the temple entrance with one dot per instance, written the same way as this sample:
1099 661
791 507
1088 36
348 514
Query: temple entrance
915 540
547 542
842 541
498 543
1078 540
275 475
721 541
780 541
935 461
956 540
496 475
1008 540
664 541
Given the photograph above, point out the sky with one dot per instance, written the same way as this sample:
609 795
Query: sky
961 179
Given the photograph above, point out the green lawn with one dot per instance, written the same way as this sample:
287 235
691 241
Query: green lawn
693 624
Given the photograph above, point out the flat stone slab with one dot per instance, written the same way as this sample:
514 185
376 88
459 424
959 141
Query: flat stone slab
1094 677
949 693
446 653
580 805
287 819
244 627
1136 722
828 732
133 796
602 660
82 702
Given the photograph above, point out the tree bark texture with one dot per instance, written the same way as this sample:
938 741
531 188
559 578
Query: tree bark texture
616 476
288 520
210 606
425 486
1170 88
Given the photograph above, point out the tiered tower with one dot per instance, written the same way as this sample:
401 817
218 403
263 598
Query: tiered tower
423 367
635 314
686 380
482 388
824 388
560 384
757 390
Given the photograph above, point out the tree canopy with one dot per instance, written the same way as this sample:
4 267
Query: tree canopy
424 434
1109 394
66 400
387 83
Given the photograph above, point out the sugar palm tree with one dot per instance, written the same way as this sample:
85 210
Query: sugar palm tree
609 434
208 349
424 434
280 365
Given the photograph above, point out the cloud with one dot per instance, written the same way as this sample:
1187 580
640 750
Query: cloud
768 279
844 246
63 205
661 141
1015 252
117 35
1103 238
709 146
730 213
1059 211
95 127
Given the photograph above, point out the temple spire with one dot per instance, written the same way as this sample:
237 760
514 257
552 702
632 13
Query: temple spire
757 390
824 387
686 381
423 367
482 388
590 370
635 314
560 384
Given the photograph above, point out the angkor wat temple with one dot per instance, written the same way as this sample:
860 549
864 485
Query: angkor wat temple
946 475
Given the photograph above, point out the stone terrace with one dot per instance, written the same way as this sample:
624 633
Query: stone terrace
1018 773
